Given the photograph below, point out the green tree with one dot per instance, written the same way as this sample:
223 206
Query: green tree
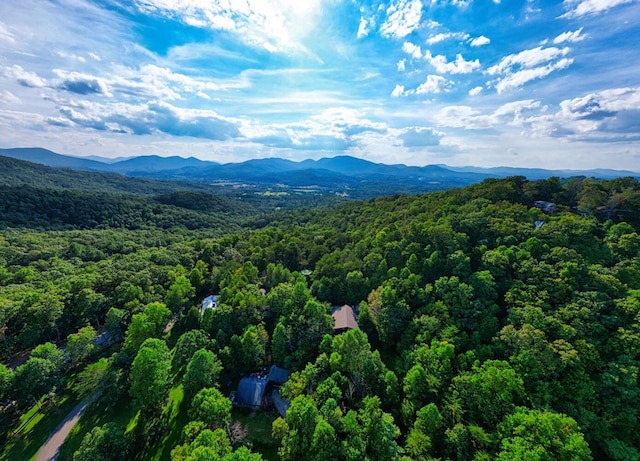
180 294
34 378
50 352
151 376
279 344
80 345
529 435
203 371
109 442
188 343
211 407
6 377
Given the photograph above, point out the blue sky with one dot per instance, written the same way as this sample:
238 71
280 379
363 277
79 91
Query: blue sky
460 82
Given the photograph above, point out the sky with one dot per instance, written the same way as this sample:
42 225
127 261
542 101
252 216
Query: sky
529 83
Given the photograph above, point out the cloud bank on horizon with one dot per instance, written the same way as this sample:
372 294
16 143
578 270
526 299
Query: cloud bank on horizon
463 82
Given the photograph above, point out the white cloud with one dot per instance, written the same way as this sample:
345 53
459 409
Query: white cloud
459 66
412 50
462 117
417 137
527 59
5 35
519 78
398 91
6 97
446 36
274 26
611 114
571 37
475 91
363 30
25 78
149 118
579 8
79 83
480 41
95 57
472 119
433 84
403 17
517 69
402 65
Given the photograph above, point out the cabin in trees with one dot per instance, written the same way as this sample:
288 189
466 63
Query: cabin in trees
262 390
210 302
344 318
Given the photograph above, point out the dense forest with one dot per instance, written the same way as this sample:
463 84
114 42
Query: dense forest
491 327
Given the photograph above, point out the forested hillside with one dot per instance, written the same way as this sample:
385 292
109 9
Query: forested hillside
489 329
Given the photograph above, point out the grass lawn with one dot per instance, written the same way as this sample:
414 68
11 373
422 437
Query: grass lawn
176 413
35 427
258 424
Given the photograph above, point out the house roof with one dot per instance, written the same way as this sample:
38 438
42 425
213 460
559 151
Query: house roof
344 318
251 390
278 374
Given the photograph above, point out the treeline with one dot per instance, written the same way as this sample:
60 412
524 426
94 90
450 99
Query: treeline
26 206
488 328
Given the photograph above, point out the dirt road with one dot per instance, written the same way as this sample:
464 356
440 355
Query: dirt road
49 451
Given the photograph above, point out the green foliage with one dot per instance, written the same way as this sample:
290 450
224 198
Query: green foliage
188 343
6 377
150 376
541 435
80 345
203 371
479 331
211 407
105 443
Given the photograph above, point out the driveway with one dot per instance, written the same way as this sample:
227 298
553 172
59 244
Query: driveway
49 451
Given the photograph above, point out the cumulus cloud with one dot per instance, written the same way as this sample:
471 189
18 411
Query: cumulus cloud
149 118
398 91
335 129
414 137
363 28
480 41
433 84
25 78
403 17
512 113
570 37
459 66
79 83
412 50
517 69
611 114
475 91
446 36
402 65
579 8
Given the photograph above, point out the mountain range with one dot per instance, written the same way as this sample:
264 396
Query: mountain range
336 173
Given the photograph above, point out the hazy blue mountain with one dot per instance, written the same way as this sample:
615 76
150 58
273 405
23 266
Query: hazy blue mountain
336 174
541 173
155 163
49 158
